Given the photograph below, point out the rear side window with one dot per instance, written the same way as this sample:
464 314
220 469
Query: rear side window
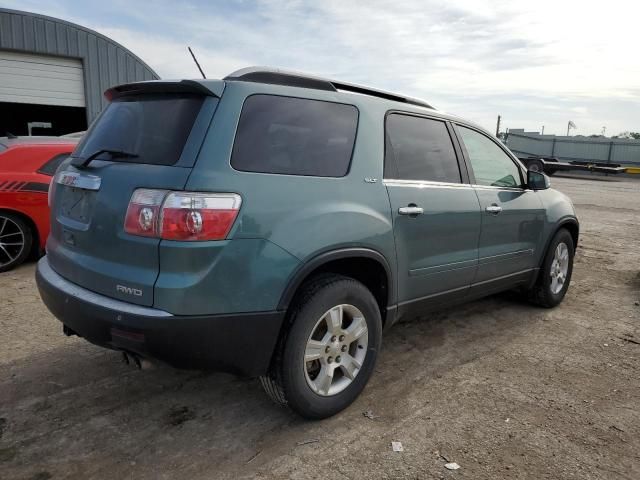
153 127
294 136
50 167
419 149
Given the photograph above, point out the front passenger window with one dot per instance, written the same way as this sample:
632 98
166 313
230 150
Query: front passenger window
491 166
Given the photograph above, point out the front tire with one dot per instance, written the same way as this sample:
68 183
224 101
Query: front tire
16 239
555 275
330 350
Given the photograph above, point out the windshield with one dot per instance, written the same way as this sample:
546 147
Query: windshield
153 127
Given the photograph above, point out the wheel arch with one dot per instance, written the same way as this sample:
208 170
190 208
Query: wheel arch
571 225
363 264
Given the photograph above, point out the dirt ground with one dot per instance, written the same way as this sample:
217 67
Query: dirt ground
505 389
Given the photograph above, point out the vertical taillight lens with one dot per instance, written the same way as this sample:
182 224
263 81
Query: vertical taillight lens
198 216
186 216
143 213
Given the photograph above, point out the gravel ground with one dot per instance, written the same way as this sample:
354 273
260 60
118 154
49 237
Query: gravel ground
505 389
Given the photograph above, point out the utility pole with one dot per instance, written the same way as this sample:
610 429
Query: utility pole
498 128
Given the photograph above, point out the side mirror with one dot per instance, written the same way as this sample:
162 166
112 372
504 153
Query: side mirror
537 180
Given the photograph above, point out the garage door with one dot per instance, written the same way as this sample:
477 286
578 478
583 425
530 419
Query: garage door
40 79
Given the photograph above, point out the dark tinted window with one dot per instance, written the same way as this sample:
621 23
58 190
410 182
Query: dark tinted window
419 149
491 165
154 127
294 136
50 167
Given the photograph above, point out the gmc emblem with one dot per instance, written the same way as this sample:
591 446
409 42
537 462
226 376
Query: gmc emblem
136 292
69 180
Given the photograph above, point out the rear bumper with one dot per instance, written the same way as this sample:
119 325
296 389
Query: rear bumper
238 343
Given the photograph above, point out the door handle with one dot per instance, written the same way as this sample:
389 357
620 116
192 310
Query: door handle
493 209
410 210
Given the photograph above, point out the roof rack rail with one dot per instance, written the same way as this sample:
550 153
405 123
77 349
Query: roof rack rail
295 79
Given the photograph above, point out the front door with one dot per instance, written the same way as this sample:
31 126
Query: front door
436 214
512 215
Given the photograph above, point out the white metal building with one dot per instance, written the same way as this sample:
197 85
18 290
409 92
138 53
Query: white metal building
53 71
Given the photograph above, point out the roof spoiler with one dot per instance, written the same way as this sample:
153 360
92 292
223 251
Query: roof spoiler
206 87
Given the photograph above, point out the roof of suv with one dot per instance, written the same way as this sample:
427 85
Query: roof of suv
266 75
276 76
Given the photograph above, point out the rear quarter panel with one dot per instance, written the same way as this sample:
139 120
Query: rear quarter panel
301 215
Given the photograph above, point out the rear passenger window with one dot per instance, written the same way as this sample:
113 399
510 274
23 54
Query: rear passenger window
294 136
50 167
419 149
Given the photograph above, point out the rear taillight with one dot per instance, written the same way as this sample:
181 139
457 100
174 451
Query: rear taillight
186 216
143 213
198 216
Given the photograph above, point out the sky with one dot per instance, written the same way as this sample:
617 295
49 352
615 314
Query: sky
536 63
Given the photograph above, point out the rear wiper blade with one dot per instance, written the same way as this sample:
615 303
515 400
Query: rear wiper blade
83 162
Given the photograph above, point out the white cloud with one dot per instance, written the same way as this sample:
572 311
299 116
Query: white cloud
536 63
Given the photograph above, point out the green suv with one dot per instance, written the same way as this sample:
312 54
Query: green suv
273 224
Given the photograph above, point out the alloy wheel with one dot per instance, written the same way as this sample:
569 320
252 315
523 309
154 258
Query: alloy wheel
12 241
336 350
559 268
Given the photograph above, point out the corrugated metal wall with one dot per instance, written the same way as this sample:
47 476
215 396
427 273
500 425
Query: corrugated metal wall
611 150
106 63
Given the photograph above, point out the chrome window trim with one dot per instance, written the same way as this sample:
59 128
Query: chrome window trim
431 184
495 187
424 183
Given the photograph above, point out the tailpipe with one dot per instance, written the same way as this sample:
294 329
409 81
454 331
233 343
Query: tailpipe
130 358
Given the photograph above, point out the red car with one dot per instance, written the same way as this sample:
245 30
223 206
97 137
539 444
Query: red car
27 165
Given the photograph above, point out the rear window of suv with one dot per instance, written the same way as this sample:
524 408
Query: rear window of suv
295 136
154 127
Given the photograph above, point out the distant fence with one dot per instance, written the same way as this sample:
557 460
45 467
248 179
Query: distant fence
607 150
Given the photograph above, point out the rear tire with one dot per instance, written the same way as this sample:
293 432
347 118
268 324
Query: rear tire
16 240
328 353
555 275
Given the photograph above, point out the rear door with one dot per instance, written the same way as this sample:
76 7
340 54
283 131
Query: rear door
162 132
512 215
436 215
